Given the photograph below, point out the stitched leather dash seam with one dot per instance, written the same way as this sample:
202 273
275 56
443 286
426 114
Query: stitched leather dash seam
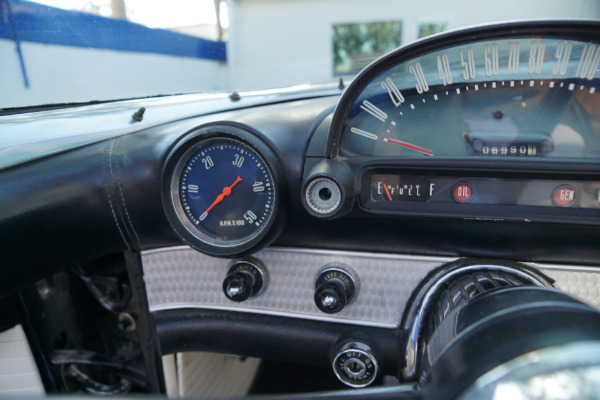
119 182
105 162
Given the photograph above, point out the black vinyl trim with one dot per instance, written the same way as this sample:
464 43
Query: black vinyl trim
270 337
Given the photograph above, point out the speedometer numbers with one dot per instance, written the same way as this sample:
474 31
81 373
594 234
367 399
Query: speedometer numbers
221 193
517 96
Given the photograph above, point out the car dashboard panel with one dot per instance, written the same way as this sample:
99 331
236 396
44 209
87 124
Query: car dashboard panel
327 228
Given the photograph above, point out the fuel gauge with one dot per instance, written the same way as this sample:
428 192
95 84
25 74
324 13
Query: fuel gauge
401 188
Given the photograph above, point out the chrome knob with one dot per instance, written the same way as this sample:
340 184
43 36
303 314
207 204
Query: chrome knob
335 288
245 280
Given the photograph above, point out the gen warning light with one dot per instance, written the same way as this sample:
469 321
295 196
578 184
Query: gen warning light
564 196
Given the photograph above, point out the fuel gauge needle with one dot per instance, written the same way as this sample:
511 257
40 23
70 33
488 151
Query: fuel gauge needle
387 192
422 150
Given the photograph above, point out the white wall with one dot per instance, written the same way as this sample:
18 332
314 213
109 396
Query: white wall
61 74
272 43
286 42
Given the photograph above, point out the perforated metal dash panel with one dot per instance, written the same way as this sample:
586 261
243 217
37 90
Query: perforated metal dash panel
181 277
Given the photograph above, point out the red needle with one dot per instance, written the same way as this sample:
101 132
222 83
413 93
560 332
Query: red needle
226 192
387 192
410 146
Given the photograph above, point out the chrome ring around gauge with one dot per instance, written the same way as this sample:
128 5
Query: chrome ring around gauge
219 192
323 196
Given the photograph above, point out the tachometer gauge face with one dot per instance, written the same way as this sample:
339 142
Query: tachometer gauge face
520 96
222 195
226 191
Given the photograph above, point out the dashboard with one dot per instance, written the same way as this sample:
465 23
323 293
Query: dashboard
315 226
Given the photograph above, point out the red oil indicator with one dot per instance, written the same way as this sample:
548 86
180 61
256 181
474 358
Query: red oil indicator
564 196
462 192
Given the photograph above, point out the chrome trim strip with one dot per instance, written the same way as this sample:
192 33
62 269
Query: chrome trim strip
324 318
560 267
341 253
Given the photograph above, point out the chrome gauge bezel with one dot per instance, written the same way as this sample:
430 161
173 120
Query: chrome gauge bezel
176 193
180 156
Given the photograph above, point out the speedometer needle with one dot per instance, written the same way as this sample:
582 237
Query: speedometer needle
410 146
226 192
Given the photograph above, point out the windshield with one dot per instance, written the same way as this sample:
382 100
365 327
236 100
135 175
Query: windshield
81 51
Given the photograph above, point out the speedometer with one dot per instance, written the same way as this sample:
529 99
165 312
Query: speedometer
498 92
497 122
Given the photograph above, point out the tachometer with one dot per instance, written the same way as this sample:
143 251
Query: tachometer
220 194
522 90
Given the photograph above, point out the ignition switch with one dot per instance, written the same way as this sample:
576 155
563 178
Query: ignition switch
355 365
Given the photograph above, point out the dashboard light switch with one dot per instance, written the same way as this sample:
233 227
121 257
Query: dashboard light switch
245 280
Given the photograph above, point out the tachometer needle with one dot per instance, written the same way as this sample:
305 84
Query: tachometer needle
226 192
422 150
387 192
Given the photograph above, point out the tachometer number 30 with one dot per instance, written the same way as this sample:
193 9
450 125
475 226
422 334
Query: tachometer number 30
238 160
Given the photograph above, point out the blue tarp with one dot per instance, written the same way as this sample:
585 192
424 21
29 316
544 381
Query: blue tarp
25 21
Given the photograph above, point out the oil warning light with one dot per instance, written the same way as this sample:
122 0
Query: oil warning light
462 193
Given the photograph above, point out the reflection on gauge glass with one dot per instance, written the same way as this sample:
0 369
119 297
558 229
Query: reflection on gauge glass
537 98
223 192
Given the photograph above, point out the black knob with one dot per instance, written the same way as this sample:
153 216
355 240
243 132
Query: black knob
244 280
330 298
238 287
334 290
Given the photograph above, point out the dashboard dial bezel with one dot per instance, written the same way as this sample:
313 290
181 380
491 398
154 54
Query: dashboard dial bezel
572 30
180 156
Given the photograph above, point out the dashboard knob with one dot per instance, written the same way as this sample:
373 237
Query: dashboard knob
323 196
355 365
328 190
245 280
335 288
